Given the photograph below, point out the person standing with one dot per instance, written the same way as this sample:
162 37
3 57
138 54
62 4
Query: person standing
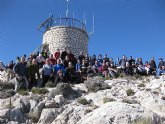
21 75
33 70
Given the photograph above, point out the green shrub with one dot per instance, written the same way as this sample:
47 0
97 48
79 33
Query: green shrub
9 106
137 76
127 101
23 92
121 75
34 117
50 84
39 90
83 101
143 121
141 85
105 100
6 85
107 78
155 92
130 92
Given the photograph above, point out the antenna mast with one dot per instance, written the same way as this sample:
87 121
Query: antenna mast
93 30
67 8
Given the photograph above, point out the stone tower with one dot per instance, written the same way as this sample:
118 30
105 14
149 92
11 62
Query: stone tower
65 32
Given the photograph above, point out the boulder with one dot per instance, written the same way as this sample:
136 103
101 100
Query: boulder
117 113
48 115
65 90
59 99
7 93
51 104
95 84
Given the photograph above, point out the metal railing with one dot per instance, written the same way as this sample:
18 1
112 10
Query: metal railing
68 22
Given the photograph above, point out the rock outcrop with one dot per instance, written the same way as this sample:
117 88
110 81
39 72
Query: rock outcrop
97 101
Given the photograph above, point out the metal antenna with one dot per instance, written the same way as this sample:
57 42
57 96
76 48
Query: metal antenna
67 8
84 18
93 26
73 14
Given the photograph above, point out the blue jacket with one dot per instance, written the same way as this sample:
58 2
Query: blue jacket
78 66
47 69
58 67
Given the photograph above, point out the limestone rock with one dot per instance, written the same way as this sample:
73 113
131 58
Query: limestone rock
116 113
59 99
48 115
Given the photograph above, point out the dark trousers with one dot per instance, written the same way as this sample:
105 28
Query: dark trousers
45 80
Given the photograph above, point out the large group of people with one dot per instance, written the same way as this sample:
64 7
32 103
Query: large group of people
63 66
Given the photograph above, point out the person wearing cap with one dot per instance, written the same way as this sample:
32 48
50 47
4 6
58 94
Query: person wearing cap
21 75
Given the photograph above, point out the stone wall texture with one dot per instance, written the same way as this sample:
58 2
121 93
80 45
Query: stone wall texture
62 36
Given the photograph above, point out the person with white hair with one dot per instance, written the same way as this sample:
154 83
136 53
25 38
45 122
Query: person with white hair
40 60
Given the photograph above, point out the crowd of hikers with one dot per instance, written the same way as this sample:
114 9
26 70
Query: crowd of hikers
63 66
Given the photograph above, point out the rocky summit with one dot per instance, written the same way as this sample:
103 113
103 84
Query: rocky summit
124 100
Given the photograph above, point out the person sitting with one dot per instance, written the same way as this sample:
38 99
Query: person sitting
84 69
70 73
33 70
58 66
161 63
112 71
93 59
78 66
47 72
160 71
66 61
81 57
96 66
147 68
60 78
100 60
104 70
141 67
90 70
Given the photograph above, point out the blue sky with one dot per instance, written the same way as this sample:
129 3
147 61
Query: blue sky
122 27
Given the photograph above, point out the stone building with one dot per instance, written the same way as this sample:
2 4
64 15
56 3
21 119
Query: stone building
65 32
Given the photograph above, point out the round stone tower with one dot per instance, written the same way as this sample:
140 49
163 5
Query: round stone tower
65 32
